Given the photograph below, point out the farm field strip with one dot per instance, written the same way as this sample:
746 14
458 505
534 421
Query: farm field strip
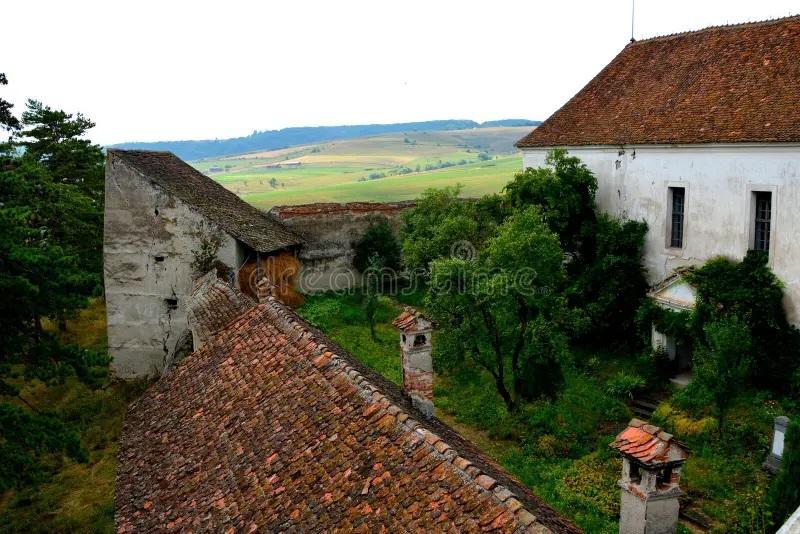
381 168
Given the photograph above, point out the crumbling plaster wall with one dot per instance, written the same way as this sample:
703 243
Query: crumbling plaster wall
633 183
329 231
149 240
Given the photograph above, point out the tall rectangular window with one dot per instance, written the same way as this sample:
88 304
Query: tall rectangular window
763 220
677 206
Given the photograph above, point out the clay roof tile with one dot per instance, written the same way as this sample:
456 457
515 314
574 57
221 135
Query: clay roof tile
255 429
725 84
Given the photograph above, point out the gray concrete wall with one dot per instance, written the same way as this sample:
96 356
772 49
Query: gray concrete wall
329 231
149 240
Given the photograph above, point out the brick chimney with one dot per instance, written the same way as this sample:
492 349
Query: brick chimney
651 474
415 349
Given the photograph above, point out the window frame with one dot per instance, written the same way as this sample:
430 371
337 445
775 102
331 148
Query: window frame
753 191
671 222
762 221
669 187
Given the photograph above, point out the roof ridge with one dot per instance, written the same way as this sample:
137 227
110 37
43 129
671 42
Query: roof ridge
256 228
733 26
329 354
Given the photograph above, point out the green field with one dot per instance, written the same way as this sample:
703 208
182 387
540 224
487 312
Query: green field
381 168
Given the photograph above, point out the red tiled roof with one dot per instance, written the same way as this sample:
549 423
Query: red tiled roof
408 319
725 84
213 304
648 444
272 427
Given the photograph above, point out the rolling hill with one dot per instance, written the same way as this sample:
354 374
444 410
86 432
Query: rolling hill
397 166
286 137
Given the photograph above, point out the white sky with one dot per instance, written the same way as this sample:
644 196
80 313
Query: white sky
163 70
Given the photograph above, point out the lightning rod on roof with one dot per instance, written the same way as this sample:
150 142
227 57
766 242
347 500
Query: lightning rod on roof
633 12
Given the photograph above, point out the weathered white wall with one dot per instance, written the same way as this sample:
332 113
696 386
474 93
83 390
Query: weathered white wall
633 183
143 222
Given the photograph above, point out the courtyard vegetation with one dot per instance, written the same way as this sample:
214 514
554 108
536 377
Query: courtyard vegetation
543 341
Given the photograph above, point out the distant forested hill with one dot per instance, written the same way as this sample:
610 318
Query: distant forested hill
273 139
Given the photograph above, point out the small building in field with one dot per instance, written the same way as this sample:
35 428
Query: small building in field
698 135
160 216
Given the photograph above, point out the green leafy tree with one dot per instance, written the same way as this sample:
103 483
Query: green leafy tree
379 239
564 190
26 439
610 286
442 225
40 263
783 496
498 306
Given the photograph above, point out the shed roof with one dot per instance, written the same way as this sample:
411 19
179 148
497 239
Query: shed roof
271 426
724 84
249 225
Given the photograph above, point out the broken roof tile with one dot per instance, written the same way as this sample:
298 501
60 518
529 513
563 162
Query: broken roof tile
648 444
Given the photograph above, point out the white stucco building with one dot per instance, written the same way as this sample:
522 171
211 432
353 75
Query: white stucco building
697 134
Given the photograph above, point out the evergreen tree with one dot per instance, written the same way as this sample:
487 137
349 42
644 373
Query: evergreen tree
54 138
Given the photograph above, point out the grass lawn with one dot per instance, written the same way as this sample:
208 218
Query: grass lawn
78 497
559 448
477 178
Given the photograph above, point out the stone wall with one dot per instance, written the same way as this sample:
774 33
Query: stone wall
329 231
149 240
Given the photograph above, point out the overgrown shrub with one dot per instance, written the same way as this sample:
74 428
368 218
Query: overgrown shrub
680 423
205 255
608 282
750 291
591 482
624 385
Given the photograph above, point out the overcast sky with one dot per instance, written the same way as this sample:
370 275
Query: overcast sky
163 70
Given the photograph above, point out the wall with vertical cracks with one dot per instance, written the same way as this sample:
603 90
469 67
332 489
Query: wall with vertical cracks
149 240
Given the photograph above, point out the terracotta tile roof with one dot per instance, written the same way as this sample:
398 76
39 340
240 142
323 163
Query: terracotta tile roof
256 229
272 427
409 318
213 304
648 444
726 84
